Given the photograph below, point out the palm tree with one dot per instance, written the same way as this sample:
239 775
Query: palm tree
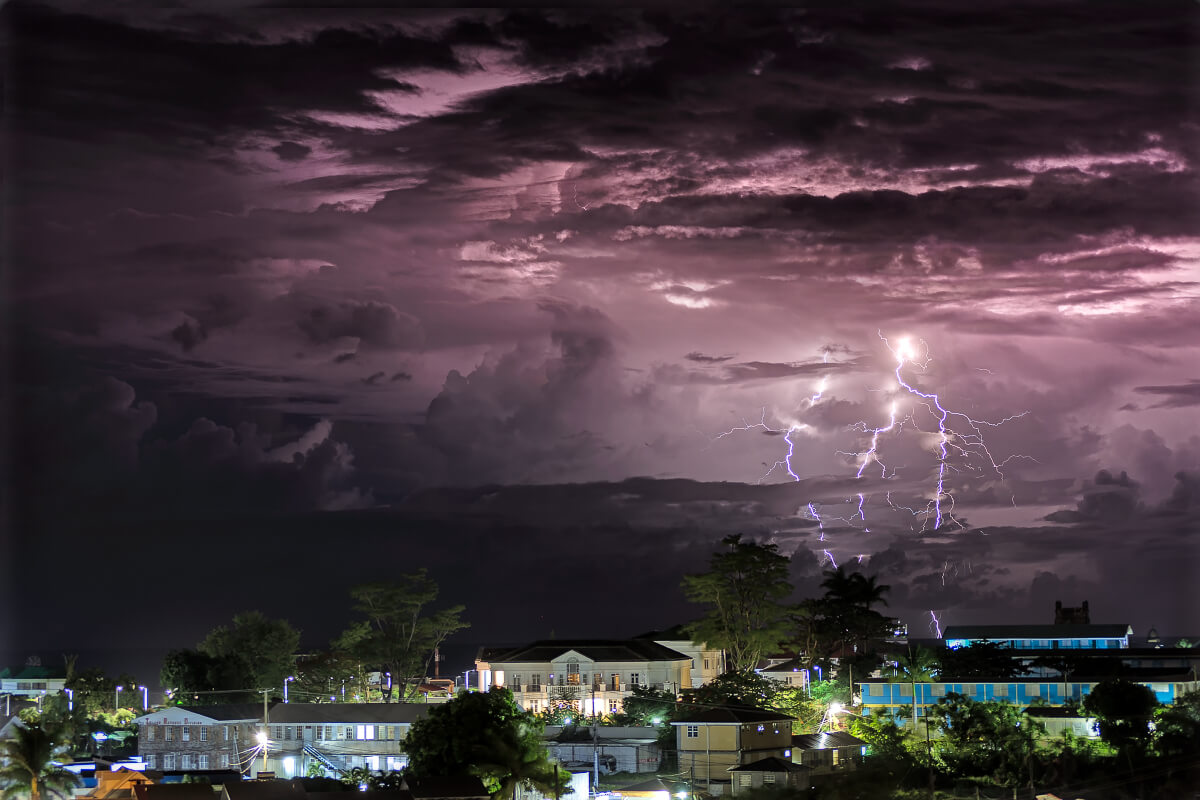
513 756
919 664
28 768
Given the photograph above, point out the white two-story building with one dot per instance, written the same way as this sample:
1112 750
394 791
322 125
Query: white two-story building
594 676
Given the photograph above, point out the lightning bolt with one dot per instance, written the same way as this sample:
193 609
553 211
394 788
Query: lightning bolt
935 624
964 443
958 436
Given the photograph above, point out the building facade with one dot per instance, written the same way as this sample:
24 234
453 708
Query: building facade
335 736
712 741
878 695
592 676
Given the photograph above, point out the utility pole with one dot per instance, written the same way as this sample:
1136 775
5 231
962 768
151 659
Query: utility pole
265 736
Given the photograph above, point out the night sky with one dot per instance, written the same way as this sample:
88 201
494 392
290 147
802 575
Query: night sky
300 298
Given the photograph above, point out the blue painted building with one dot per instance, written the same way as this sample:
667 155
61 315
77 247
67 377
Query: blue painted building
879 694
1041 637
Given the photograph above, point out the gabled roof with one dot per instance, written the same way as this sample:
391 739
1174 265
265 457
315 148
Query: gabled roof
1074 631
226 712
771 764
791 665
331 713
30 673
727 715
826 741
593 649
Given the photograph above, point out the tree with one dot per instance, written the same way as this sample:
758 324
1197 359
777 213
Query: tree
484 734
1123 712
918 665
513 756
989 740
644 705
27 765
744 589
397 636
734 689
841 622
264 649
980 660
1177 726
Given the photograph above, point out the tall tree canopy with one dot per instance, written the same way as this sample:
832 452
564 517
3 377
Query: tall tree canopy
399 634
484 734
256 653
744 590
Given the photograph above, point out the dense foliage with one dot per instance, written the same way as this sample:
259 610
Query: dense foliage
487 735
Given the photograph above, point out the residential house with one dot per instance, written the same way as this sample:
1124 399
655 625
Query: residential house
337 736
790 673
611 749
711 740
118 784
592 675
771 773
828 753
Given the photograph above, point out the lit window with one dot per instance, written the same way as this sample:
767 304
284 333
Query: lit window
168 761
287 733
769 777
744 779
612 706
328 731
203 759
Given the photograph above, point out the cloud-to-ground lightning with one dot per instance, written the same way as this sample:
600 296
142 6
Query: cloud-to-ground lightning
949 438
935 625
959 436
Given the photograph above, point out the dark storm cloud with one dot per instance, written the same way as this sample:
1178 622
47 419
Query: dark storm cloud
291 151
523 218
376 325
121 79
700 358
1177 396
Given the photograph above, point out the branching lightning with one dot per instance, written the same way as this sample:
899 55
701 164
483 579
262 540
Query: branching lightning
958 446
935 625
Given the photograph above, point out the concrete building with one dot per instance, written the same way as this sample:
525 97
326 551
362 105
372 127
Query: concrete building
337 736
880 694
593 676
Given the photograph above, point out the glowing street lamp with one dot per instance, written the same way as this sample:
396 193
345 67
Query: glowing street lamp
117 699
286 681
145 698
263 740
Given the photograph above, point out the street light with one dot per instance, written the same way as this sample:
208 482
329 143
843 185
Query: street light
286 681
467 679
145 698
117 699
263 741
70 699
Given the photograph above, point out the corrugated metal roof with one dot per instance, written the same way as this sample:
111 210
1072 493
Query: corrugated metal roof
826 741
